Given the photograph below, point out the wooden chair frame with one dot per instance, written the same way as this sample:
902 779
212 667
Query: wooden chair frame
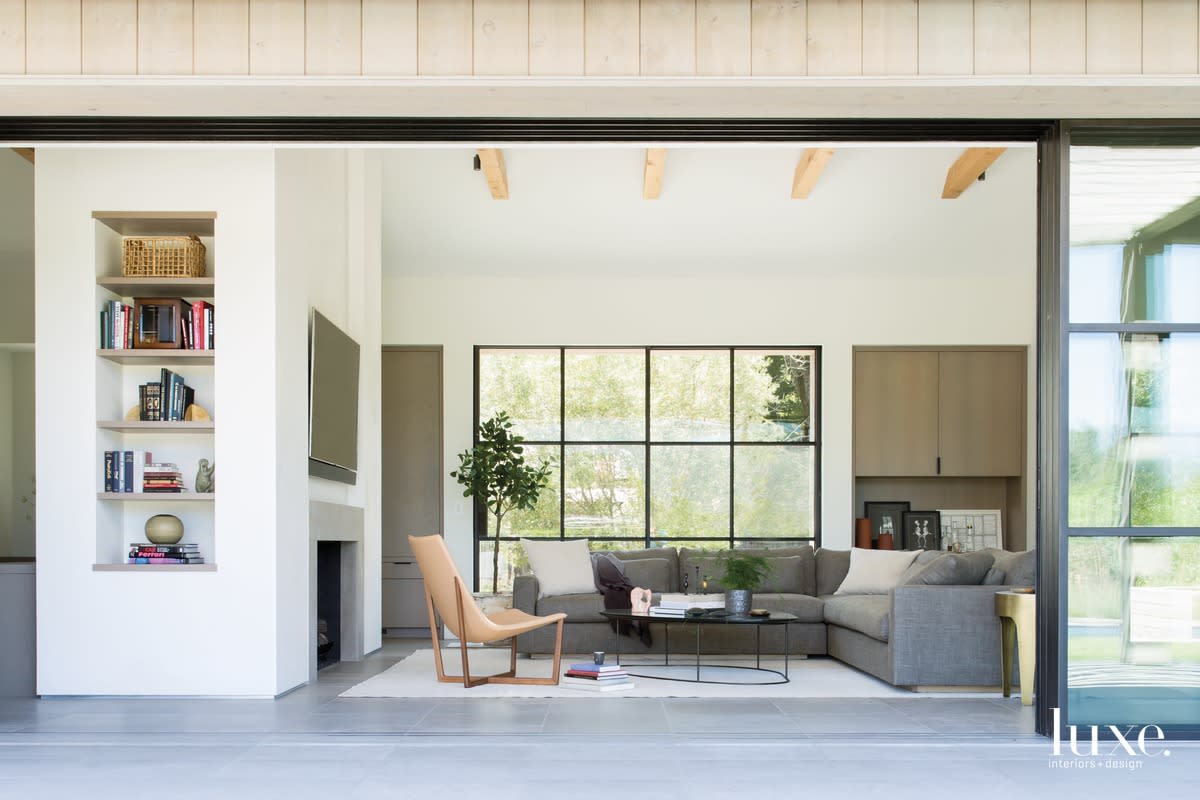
509 677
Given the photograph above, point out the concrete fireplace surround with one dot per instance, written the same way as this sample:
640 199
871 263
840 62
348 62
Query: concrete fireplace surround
332 522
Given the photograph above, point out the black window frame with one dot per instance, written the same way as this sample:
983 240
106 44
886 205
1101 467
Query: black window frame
481 529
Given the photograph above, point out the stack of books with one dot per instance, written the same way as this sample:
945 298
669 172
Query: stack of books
676 606
162 477
165 400
116 326
596 677
182 553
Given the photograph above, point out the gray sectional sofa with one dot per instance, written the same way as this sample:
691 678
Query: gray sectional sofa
915 635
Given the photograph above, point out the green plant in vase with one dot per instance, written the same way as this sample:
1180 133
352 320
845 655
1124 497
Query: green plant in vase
496 473
742 575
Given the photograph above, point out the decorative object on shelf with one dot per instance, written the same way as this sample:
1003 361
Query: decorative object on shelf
974 529
163 256
195 413
640 599
134 413
164 529
922 530
885 541
161 323
204 476
862 533
743 574
495 473
885 517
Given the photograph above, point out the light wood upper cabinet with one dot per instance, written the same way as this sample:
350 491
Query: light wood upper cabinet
924 413
980 404
896 412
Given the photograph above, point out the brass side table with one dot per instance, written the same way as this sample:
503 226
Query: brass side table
1018 624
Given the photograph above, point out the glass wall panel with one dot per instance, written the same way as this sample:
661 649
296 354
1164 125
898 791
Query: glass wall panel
689 491
605 491
1134 428
689 395
1135 235
605 395
773 396
773 491
543 519
584 409
1133 630
525 384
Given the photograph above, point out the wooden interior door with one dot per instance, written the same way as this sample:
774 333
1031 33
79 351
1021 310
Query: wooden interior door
412 475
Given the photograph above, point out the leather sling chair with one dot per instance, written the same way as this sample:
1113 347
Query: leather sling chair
446 594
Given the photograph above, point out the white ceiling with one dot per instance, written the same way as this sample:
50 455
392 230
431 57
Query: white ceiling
16 212
579 210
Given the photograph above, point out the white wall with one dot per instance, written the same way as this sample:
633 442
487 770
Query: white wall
873 258
210 633
327 240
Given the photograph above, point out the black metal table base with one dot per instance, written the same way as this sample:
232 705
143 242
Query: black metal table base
758 667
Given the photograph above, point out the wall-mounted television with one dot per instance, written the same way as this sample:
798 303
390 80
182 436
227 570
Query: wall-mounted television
332 401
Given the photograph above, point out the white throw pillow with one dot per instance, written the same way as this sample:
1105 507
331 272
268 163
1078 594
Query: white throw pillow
560 567
876 571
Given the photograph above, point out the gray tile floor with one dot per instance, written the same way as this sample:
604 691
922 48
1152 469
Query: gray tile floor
311 743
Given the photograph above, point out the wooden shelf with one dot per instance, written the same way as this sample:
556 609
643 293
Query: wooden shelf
206 426
158 287
158 497
158 223
154 567
156 357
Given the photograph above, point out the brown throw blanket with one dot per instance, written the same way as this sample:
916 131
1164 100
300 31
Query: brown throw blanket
611 580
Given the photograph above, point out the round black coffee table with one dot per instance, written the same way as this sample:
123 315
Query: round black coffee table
699 623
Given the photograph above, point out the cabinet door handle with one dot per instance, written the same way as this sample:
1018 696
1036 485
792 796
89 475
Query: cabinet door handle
402 563
939 465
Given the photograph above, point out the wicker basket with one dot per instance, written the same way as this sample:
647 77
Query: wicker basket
163 256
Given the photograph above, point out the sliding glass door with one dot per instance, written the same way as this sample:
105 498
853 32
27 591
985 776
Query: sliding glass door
1132 436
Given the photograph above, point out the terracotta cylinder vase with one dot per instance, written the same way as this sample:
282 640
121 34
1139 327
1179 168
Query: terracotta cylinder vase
885 541
862 533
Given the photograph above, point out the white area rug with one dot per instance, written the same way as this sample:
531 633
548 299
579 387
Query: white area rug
814 677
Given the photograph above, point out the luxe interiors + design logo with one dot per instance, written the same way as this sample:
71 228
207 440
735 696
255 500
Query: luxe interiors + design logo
1128 749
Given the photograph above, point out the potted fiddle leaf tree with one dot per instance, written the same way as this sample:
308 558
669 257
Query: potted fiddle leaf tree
495 473
743 574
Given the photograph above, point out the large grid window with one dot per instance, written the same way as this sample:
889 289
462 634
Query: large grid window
700 446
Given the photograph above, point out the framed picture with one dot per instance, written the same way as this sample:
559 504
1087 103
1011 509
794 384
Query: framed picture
922 531
973 528
885 516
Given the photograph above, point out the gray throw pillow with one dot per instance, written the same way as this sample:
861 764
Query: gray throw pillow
832 566
994 577
1020 569
923 560
785 576
649 573
954 569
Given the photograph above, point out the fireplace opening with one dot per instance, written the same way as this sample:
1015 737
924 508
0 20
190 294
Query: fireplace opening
329 603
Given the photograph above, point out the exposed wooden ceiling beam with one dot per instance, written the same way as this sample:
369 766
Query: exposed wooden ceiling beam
656 162
491 161
808 170
25 153
967 169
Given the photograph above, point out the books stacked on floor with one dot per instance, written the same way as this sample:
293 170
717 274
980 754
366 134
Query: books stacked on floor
182 553
596 677
116 326
166 400
686 601
161 476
